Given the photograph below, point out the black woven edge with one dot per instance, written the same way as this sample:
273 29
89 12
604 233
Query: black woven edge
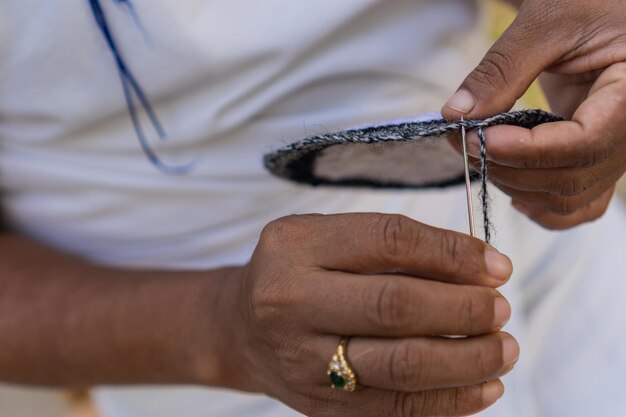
295 162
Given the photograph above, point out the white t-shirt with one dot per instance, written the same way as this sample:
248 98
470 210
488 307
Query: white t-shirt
231 81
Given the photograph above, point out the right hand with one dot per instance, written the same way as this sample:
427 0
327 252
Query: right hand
395 286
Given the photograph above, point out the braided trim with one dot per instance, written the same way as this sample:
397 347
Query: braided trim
295 161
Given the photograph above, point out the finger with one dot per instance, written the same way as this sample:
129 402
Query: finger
506 71
551 145
590 213
556 204
547 185
418 364
400 306
595 134
370 402
371 243
560 182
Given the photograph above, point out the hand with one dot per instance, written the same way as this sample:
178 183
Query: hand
395 286
560 174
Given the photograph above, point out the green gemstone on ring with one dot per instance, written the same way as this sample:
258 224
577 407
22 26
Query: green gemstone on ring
337 380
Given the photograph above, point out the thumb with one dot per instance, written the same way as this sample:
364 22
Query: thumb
505 73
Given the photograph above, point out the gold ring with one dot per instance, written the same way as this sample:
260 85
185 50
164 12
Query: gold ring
339 370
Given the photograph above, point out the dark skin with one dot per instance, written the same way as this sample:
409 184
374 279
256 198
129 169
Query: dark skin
271 326
66 322
561 174
392 283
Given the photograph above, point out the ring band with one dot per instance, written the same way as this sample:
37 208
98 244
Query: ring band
339 371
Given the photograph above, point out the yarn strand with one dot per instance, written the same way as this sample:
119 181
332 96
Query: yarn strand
484 193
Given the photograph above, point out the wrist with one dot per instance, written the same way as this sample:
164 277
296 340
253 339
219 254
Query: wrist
217 353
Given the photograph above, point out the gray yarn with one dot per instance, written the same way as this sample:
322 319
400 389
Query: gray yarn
484 192
296 161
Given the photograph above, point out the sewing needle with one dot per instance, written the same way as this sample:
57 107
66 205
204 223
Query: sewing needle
468 182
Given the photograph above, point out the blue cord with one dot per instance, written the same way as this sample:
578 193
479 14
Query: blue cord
132 88
132 11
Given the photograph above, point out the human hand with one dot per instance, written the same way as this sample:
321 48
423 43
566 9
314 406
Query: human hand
559 174
395 286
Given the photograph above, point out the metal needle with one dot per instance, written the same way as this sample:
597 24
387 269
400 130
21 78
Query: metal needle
468 182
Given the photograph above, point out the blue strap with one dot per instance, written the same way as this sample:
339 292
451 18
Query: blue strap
132 88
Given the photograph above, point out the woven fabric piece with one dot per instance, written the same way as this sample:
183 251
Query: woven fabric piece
393 155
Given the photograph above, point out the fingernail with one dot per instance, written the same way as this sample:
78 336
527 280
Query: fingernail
510 350
507 370
492 392
498 265
462 101
502 312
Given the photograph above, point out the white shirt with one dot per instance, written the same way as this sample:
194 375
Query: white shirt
231 81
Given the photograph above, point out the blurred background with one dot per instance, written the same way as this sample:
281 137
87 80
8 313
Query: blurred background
20 402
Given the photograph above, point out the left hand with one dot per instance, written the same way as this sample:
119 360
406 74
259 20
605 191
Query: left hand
559 174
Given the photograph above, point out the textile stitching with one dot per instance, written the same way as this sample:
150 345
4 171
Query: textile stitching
296 161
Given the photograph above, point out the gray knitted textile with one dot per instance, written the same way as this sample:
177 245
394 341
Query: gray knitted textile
393 155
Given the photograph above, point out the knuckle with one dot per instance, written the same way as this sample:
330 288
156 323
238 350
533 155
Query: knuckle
441 402
391 235
543 158
422 404
469 400
488 357
263 307
274 233
576 184
480 360
392 305
456 401
562 206
600 150
427 404
451 248
476 310
275 228
494 70
268 301
406 405
408 368
539 161
449 401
